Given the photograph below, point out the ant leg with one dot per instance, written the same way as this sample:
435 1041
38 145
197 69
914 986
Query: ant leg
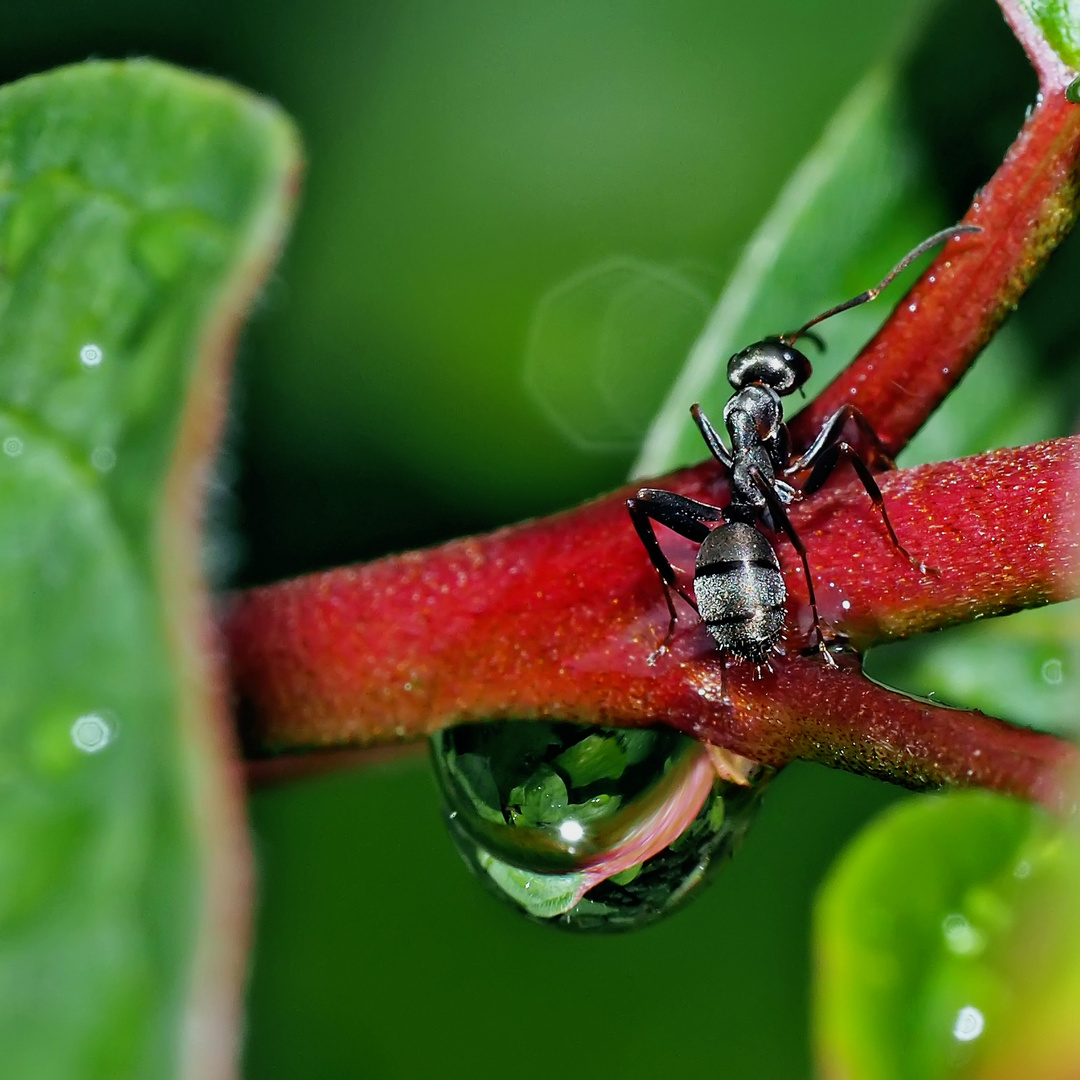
683 516
824 469
709 434
832 432
780 517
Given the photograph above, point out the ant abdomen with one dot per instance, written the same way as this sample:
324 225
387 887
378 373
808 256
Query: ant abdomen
740 591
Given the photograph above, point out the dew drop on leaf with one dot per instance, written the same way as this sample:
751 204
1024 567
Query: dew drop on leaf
592 828
91 355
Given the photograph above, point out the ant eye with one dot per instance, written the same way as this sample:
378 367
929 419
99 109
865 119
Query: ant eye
771 363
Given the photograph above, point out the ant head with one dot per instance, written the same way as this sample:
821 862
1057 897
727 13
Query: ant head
772 363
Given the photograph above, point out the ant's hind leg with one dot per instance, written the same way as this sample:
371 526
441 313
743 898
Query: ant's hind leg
824 469
683 516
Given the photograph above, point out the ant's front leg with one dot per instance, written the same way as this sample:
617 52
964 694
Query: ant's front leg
832 433
711 436
683 516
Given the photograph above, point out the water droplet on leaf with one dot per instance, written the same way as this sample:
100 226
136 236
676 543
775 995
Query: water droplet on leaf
103 458
91 733
91 355
591 828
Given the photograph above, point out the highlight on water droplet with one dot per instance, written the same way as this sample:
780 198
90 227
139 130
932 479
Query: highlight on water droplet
969 1024
1052 672
91 733
13 446
91 355
103 458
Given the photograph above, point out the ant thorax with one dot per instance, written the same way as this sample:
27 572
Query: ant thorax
763 412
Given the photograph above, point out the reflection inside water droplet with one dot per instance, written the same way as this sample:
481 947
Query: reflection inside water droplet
13 446
91 355
1052 672
591 828
969 1024
103 458
91 733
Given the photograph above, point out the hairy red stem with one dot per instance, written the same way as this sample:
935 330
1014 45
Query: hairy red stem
939 328
557 618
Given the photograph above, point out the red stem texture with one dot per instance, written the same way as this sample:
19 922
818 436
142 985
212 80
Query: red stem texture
557 619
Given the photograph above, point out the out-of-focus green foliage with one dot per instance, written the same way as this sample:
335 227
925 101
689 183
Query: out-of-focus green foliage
855 205
949 945
467 161
136 204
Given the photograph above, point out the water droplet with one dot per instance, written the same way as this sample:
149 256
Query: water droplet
845 604
969 1024
13 446
91 355
961 937
586 827
91 733
1052 672
103 458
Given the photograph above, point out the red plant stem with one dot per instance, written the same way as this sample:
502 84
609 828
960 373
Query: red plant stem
939 328
556 619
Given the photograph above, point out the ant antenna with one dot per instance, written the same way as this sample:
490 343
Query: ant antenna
872 294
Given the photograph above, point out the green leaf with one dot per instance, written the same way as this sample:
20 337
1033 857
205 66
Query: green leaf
542 797
857 202
948 944
541 895
1025 668
596 757
1059 22
475 776
139 209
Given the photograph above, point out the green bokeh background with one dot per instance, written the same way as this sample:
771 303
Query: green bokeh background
465 158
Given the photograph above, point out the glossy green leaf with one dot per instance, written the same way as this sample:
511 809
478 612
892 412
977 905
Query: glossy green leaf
139 207
948 945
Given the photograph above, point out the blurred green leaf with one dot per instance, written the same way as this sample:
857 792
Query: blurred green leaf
596 757
139 206
1025 668
858 201
948 943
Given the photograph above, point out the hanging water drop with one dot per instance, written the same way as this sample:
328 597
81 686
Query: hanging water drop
592 828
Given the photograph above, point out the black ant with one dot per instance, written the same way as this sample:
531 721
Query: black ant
740 592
